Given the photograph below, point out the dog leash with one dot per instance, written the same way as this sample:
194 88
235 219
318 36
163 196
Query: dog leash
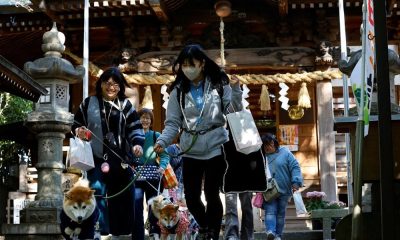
123 165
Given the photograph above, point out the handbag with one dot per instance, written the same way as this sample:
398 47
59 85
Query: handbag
80 154
244 131
169 178
244 172
147 172
258 200
273 190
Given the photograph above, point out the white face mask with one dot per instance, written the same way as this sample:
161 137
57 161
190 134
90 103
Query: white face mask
191 72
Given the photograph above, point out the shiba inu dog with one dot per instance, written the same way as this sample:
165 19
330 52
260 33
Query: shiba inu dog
172 219
79 214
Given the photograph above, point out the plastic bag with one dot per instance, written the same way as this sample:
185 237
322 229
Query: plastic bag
258 200
298 202
80 154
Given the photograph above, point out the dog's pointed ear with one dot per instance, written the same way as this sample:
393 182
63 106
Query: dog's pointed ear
67 196
176 207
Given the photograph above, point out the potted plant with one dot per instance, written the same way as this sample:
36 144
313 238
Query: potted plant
315 202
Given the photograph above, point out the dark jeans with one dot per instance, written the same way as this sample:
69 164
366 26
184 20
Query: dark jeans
116 213
121 207
212 170
144 189
97 183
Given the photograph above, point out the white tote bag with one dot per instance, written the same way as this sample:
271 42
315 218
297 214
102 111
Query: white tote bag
244 131
80 154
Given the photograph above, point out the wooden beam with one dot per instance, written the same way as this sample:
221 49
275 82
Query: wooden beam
41 4
158 10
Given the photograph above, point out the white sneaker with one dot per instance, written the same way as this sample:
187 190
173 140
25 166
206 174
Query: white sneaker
106 237
277 238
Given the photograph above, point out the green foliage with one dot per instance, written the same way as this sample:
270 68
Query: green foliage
12 109
315 203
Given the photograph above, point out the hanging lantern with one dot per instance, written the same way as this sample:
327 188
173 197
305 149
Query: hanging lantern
304 98
222 9
265 103
148 98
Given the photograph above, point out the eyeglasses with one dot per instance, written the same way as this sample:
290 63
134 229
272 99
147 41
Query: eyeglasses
111 84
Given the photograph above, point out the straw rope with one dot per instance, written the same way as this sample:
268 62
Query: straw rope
255 79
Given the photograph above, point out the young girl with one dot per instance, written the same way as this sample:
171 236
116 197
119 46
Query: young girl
199 99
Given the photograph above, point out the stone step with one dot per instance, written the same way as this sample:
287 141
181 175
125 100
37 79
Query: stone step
288 235
293 222
294 235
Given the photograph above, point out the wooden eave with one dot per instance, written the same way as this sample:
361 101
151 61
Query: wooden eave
19 83
62 11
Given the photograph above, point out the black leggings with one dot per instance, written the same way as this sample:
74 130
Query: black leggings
193 171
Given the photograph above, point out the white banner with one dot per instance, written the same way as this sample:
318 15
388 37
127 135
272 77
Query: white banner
356 75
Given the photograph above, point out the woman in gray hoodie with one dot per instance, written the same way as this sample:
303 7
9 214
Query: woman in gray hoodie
200 96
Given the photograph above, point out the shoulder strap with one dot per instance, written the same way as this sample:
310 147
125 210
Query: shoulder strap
220 90
154 137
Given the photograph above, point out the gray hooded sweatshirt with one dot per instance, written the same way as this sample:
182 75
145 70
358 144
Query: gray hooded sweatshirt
212 121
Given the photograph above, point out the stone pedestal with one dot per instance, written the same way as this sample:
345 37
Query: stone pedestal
49 122
41 217
327 215
32 231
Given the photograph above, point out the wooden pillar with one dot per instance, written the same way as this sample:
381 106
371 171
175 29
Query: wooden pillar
157 111
326 139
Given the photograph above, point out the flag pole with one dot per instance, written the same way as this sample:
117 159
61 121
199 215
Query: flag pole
85 83
357 210
343 55
388 219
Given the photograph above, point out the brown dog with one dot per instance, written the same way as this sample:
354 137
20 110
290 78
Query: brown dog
171 218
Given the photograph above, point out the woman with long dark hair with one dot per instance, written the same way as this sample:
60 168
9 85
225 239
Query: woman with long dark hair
116 134
200 96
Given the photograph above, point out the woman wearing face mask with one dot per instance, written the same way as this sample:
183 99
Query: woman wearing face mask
200 96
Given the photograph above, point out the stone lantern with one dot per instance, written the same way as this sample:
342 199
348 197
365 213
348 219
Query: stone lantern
50 121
